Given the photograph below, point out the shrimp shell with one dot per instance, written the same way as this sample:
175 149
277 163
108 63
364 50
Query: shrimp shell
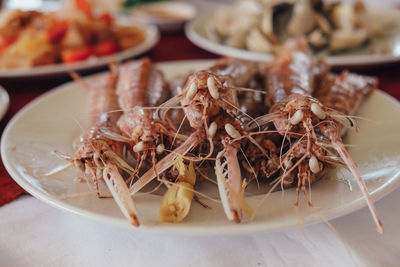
140 85
345 92
293 70
103 114
240 71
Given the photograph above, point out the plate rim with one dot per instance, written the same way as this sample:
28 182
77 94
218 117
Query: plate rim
4 99
223 50
223 230
161 21
152 38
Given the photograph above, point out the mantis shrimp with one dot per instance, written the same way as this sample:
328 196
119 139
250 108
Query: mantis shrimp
295 143
140 89
211 106
99 157
313 128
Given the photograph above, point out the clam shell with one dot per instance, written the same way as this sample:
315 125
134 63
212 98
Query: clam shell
257 42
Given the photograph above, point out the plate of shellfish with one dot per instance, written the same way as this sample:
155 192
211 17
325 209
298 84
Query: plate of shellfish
224 147
346 34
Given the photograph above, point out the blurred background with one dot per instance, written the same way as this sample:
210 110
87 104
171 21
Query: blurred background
106 4
116 4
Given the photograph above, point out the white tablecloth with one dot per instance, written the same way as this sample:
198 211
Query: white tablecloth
33 233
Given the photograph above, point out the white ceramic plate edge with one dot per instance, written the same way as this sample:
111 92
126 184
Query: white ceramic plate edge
4 102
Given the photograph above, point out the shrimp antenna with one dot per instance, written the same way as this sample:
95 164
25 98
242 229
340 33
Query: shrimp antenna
242 89
79 80
238 109
339 147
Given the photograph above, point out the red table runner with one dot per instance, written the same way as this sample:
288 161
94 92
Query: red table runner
171 47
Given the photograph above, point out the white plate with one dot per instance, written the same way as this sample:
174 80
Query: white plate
4 102
151 38
54 120
195 31
181 10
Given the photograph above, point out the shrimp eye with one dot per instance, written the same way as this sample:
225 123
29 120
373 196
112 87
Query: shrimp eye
351 122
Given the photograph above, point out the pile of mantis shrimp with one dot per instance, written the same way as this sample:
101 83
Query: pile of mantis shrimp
281 121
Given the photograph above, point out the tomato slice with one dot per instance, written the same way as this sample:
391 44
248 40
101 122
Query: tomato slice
105 48
7 40
84 6
57 31
106 17
76 54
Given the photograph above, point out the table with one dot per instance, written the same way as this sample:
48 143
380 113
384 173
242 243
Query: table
33 233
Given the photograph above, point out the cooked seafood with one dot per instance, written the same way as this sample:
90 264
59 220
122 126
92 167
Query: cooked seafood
140 85
208 101
263 26
292 139
345 92
100 158
313 128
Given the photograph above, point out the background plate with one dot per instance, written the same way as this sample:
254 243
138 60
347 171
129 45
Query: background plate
54 120
195 31
151 39
177 14
4 102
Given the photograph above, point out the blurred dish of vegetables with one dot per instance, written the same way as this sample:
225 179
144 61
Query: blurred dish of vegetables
72 34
